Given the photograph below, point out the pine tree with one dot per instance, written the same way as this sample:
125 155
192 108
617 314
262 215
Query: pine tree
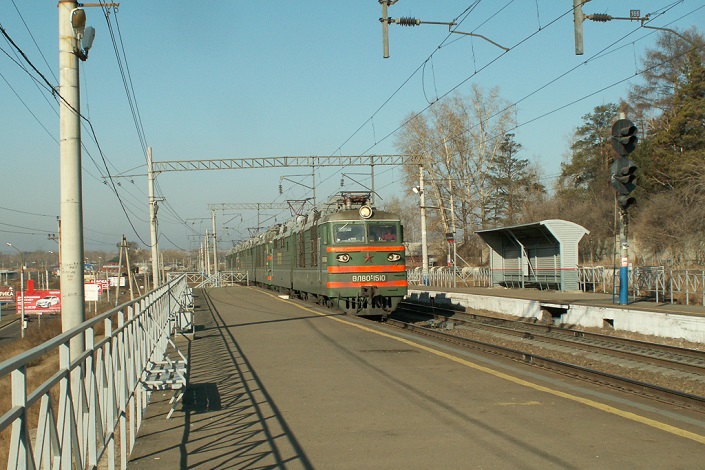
677 148
511 180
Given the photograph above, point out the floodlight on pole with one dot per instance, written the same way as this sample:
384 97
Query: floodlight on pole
83 35
78 21
87 40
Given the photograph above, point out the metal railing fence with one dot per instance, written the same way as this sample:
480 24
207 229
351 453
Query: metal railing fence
90 409
658 283
222 279
445 277
651 282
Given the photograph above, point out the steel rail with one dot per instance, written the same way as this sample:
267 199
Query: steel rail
665 395
687 360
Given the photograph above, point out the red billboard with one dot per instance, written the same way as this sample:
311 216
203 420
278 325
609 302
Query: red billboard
40 301
7 294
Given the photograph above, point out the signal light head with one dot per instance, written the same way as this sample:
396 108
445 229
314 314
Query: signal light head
625 202
624 136
623 181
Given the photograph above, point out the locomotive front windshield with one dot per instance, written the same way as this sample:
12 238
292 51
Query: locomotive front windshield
382 232
349 232
371 232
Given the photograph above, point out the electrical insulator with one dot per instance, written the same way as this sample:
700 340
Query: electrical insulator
600 17
407 21
342 182
280 189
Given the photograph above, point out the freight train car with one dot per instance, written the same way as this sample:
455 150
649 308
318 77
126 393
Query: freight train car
348 256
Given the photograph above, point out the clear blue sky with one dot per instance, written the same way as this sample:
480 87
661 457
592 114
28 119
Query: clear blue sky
237 79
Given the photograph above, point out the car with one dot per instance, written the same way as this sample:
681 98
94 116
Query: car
48 301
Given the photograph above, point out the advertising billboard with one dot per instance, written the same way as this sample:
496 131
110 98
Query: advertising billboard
40 301
7 294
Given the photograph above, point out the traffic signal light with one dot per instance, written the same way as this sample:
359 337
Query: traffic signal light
624 137
623 176
624 141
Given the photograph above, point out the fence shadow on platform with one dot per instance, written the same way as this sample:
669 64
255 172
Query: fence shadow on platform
227 418
200 398
231 420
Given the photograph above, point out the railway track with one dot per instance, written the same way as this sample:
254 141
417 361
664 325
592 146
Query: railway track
666 373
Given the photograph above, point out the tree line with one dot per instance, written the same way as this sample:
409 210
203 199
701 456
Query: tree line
476 176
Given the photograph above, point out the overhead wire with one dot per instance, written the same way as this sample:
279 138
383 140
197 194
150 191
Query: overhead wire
84 118
125 75
602 53
376 142
128 85
514 104
134 107
605 51
107 177
28 108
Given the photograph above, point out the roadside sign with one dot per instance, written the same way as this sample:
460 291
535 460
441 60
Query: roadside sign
91 292
7 294
104 284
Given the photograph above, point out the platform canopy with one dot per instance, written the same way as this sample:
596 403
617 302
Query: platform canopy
540 255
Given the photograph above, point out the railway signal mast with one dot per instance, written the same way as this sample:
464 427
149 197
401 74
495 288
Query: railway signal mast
624 140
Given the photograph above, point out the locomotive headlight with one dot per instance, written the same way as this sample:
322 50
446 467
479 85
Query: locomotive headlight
393 257
343 257
365 212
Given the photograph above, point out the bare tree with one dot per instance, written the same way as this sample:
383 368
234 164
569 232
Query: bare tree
458 143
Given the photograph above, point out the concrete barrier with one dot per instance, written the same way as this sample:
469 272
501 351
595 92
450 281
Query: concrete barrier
666 325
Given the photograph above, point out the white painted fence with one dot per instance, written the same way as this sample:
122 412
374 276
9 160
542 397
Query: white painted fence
91 408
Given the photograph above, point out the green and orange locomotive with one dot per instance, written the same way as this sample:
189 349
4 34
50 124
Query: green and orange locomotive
348 256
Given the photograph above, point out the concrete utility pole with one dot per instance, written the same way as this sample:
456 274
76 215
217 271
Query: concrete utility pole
453 229
22 319
372 184
206 256
215 247
72 291
578 18
424 247
153 221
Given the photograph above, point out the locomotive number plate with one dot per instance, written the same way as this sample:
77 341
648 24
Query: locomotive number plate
369 278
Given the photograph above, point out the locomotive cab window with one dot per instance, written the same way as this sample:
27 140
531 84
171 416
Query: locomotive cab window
381 232
349 233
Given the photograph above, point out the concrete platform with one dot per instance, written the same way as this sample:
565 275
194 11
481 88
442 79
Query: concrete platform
581 309
276 384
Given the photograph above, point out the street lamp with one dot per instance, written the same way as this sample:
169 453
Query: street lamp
21 288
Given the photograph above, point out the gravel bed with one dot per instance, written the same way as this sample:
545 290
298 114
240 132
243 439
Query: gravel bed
674 383
579 358
676 342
